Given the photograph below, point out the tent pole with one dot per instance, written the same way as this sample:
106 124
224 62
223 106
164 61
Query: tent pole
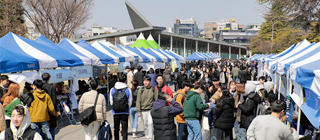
299 116
279 88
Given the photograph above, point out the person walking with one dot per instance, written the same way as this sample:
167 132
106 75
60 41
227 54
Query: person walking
130 77
180 119
145 98
39 110
51 90
192 107
163 117
4 83
224 78
87 100
12 94
224 116
181 77
153 77
3 125
121 100
133 109
269 127
139 76
167 76
20 126
235 73
175 77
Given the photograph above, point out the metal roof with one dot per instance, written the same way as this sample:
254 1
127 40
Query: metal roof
138 21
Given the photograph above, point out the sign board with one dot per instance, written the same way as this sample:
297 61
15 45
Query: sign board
59 75
99 71
83 71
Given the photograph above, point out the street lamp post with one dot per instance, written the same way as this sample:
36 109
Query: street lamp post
272 22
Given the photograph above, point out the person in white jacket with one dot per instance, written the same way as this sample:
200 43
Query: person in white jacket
20 126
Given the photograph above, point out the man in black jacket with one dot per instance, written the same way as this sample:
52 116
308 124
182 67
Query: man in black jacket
181 77
4 83
52 92
139 76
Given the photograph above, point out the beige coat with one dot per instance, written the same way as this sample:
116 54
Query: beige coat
129 79
2 119
87 100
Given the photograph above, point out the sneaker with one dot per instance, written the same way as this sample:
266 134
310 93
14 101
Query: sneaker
134 136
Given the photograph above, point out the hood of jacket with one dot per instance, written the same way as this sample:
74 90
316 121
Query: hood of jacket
24 125
190 94
268 86
40 94
255 97
120 85
159 103
249 87
228 99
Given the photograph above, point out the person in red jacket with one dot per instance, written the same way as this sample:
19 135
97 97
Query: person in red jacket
161 87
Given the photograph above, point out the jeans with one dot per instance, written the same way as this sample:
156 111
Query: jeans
44 126
240 132
182 131
226 132
148 124
235 78
53 132
123 119
134 119
91 131
194 130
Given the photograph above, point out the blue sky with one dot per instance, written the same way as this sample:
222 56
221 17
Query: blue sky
164 12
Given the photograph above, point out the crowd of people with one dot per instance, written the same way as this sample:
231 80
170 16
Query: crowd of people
210 101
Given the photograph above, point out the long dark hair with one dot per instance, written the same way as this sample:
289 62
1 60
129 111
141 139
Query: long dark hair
135 84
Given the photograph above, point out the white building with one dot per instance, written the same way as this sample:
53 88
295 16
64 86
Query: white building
254 27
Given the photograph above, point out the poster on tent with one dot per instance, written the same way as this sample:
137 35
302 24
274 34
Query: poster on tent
99 71
312 99
59 75
83 71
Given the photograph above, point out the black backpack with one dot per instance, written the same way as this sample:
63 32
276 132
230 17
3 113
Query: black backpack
120 101
27 135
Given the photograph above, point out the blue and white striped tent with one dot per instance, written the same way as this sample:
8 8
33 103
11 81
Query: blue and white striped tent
165 58
147 57
181 59
14 62
76 49
140 58
196 56
172 58
116 57
159 59
46 56
127 56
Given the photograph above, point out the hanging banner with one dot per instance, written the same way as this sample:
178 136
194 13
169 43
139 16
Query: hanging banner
26 76
115 69
290 109
83 71
99 71
59 75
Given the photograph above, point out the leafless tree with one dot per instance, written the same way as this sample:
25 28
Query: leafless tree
58 19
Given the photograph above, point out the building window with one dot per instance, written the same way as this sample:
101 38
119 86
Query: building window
240 28
214 29
94 34
228 25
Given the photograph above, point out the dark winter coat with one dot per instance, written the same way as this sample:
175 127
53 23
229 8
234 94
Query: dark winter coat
215 75
224 112
163 119
242 76
181 78
51 90
139 77
249 109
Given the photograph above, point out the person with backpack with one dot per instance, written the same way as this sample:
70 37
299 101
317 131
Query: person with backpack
191 110
163 117
20 126
87 100
145 98
180 97
167 77
121 100
133 109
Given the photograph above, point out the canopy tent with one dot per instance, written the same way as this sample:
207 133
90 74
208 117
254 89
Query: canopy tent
47 57
195 56
96 58
14 62
140 58
181 59
126 55
304 44
292 47
116 57
153 43
143 53
205 56
167 55
164 57
284 65
72 56
160 58
141 42
93 53
214 55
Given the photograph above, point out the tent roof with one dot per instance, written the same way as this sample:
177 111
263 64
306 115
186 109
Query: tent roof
195 56
141 42
153 43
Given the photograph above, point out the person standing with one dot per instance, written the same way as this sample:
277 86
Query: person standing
4 83
39 110
161 87
167 76
139 76
87 100
192 107
269 127
153 77
235 73
181 77
121 100
175 77
51 90
2 119
145 98
224 78
12 94
130 78
180 119
163 117
133 109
